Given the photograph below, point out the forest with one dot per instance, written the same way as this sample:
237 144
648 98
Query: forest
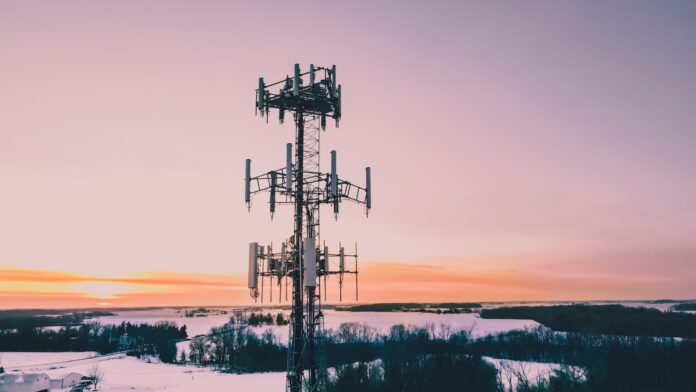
33 318
604 319
137 339
434 358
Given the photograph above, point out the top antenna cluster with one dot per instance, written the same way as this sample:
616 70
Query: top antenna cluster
314 92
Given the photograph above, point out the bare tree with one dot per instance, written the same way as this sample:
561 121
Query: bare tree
445 331
96 374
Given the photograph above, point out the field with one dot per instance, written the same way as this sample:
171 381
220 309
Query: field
333 319
123 373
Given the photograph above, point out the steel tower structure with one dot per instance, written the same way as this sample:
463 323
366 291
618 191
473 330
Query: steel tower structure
311 97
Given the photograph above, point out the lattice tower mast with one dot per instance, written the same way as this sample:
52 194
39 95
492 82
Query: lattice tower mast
301 184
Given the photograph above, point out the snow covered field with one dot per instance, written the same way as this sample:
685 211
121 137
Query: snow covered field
123 373
511 372
27 360
382 321
194 325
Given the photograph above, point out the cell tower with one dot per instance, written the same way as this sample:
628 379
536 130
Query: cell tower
312 97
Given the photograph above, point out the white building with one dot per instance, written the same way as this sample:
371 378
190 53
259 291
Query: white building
66 381
24 382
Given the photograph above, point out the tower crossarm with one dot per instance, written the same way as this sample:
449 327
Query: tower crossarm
275 181
335 190
265 182
349 191
345 190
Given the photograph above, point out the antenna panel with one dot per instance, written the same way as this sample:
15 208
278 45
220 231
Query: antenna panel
296 81
247 182
288 167
368 188
342 260
253 265
310 262
260 95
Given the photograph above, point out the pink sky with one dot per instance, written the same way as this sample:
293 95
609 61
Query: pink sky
513 145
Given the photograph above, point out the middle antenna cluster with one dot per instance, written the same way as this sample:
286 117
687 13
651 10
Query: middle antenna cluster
276 266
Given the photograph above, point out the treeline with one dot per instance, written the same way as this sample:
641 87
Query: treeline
10 319
443 307
610 363
236 348
686 306
415 359
410 359
203 312
448 372
603 319
451 372
255 319
141 339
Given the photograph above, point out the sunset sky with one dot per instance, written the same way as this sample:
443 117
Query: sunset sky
520 150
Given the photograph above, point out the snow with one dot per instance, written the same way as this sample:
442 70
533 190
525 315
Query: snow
57 328
464 321
381 321
11 360
510 372
123 373
194 325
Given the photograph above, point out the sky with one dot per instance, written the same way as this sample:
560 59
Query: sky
536 150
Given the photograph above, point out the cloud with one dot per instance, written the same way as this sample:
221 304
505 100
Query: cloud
154 278
30 287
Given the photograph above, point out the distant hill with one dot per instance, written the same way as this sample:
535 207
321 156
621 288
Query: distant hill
34 318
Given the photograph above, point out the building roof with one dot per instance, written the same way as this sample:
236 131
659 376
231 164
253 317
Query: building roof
66 375
22 378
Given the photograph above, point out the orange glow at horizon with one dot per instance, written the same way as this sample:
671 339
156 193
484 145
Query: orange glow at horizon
379 282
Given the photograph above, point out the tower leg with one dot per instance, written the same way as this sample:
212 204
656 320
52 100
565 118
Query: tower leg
296 367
